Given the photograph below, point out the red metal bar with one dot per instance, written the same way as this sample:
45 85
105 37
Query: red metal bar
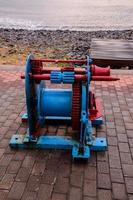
76 70
78 77
104 78
58 61
39 77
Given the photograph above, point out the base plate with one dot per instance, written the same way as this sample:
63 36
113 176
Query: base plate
59 142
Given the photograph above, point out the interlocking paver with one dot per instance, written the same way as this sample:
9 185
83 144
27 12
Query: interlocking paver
119 191
104 181
116 175
90 188
129 185
75 193
17 190
37 174
104 194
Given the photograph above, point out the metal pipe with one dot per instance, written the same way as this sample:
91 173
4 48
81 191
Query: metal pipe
104 78
39 77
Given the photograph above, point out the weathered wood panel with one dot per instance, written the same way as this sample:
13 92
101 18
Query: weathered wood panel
116 53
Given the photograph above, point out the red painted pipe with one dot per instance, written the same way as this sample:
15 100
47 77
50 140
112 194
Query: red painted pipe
104 78
77 77
39 77
76 70
58 61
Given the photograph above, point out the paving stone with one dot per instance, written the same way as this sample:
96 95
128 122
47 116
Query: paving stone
120 129
112 141
90 188
127 170
116 175
2 172
4 143
119 191
124 147
78 168
61 185
57 196
48 177
89 198
38 168
13 167
122 137
33 183
129 126
102 156
76 179
19 155
17 190
103 167
126 158
7 181
104 194
3 194
130 197
45 192
129 185
113 150
28 162
23 174
131 142
64 169
90 173
29 195
5 159
61 132
111 132
129 133
52 129
75 193
114 161
104 181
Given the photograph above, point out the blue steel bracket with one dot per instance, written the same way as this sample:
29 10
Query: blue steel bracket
98 144
44 142
84 153
59 142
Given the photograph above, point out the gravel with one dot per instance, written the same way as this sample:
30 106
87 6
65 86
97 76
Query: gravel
68 44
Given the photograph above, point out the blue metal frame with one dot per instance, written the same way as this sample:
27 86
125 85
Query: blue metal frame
42 104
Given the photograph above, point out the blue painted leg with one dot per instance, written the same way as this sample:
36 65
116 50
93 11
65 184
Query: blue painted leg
80 152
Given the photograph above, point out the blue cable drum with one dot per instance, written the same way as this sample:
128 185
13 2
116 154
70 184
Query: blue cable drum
55 102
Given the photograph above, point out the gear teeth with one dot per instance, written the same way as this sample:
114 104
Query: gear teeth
76 106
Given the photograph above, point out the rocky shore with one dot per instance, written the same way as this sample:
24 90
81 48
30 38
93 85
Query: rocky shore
16 44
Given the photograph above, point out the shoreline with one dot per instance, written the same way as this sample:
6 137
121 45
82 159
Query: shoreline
15 44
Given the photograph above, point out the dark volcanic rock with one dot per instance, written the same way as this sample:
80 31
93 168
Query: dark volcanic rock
74 44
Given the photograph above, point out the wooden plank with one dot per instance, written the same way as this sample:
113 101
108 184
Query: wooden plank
118 53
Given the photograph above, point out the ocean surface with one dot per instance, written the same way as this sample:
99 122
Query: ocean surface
67 14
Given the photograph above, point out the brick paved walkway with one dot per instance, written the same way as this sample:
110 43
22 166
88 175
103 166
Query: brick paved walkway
43 175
